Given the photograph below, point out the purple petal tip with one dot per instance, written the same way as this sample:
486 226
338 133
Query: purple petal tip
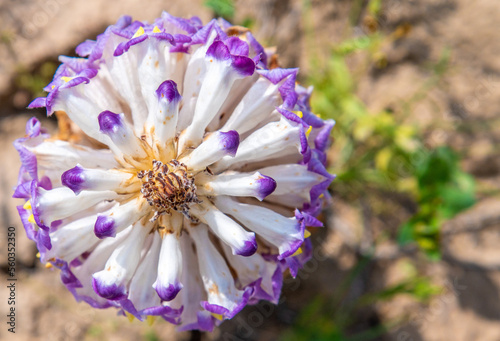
249 248
243 65
111 292
218 51
168 90
104 227
267 185
230 142
168 293
109 122
74 179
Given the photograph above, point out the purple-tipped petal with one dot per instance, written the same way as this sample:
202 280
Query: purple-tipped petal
267 185
277 75
111 292
109 122
168 90
104 227
322 139
229 142
215 147
244 66
121 133
125 46
162 311
85 48
74 179
23 191
218 51
33 127
237 46
168 293
39 102
249 248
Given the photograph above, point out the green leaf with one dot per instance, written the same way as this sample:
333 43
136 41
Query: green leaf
221 8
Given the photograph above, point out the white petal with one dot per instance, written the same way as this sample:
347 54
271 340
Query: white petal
78 103
79 178
235 184
215 146
60 156
215 88
293 179
193 293
257 106
125 78
168 283
112 281
226 229
287 234
62 202
251 269
93 263
275 139
120 217
71 240
223 297
239 88
152 69
195 73
141 292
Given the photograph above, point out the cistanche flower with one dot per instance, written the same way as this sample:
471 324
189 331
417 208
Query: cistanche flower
185 172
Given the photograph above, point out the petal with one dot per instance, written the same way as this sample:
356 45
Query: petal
79 178
120 217
162 119
123 137
93 263
254 270
168 283
241 242
220 76
293 179
215 146
111 283
84 102
193 293
273 140
236 184
141 292
256 107
61 202
59 156
287 234
223 297
72 240
124 78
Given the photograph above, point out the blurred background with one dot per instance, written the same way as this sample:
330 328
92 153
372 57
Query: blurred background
410 248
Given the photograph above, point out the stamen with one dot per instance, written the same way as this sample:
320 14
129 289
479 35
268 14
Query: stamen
168 187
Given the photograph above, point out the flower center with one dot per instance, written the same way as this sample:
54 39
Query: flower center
168 187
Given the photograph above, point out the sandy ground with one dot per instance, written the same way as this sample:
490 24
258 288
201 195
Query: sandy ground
469 306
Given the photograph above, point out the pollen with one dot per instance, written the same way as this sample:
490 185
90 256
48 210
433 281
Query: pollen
27 205
139 32
168 187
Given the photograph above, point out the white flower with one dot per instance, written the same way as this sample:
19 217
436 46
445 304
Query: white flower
184 176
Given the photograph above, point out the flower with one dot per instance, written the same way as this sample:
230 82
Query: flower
184 174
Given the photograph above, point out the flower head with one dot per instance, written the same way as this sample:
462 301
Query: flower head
184 175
